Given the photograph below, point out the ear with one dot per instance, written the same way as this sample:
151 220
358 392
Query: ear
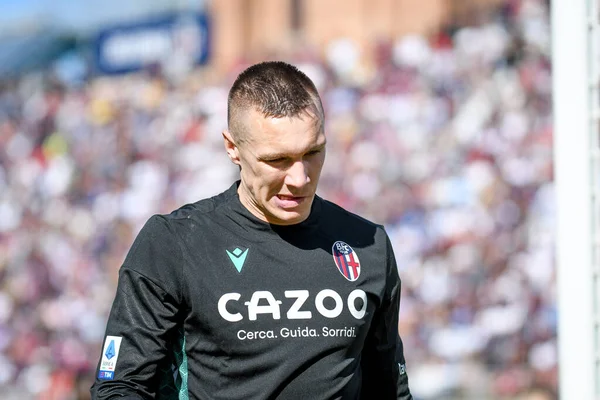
231 148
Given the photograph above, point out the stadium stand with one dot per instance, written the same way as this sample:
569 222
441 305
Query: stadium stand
446 140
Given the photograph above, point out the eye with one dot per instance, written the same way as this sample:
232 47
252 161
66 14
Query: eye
278 160
314 152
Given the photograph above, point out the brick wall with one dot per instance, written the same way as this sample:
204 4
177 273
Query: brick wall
257 28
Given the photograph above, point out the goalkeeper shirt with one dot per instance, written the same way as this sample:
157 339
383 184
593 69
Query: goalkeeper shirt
213 303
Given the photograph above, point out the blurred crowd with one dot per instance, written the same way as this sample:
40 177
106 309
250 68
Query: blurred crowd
446 140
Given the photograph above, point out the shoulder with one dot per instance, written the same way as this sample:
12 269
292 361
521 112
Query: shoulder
340 216
164 233
158 250
191 215
336 221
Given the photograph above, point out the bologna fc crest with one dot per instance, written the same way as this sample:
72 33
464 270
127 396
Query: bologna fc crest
346 260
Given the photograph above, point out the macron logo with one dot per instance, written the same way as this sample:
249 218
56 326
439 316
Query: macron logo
238 257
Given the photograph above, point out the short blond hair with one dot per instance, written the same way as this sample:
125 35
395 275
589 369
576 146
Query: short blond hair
275 89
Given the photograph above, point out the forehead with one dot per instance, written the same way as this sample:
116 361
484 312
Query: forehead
286 135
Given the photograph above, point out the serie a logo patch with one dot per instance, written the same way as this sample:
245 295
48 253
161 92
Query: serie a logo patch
346 260
110 355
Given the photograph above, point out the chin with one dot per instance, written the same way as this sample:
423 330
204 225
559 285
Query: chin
281 215
290 217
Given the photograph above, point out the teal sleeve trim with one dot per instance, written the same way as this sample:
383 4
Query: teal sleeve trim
182 378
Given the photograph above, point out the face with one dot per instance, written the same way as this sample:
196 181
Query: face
281 161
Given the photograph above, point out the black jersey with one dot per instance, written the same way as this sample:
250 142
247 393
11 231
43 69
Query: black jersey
213 303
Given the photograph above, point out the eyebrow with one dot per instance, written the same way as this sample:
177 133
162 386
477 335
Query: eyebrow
275 156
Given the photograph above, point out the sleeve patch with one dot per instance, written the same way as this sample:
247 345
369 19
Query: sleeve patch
110 355
402 368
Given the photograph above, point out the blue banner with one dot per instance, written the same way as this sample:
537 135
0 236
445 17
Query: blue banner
172 38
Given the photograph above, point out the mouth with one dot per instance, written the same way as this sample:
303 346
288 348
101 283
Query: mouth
288 201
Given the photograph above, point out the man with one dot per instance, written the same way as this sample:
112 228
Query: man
265 290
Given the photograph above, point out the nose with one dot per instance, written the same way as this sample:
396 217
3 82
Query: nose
297 174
